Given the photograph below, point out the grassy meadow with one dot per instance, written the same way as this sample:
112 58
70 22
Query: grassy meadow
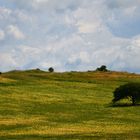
36 105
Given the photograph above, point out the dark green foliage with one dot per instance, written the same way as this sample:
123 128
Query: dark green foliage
51 69
102 68
0 73
37 69
130 91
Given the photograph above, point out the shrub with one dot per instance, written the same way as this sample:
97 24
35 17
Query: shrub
51 69
37 69
0 73
102 68
130 91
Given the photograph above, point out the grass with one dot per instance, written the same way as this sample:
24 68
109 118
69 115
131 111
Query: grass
37 105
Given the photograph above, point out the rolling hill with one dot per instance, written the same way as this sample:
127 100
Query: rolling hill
38 105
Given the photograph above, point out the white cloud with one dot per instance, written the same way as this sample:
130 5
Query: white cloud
15 32
82 56
2 35
122 4
7 60
71 35
49 4
123 17
4 12
87 27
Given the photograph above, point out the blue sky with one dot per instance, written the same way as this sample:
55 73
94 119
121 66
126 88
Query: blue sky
70 34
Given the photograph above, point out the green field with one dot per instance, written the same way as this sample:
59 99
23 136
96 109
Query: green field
36 105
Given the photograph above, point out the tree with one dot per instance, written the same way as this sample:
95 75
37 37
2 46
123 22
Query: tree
51 69
37 69
102 68
130 91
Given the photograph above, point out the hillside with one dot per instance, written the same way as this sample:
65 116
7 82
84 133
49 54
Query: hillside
38 105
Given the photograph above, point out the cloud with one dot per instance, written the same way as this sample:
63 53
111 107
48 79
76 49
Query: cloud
122 4
49 4
123 17
15 32
2 35
70 35
4 12
7 62
86 21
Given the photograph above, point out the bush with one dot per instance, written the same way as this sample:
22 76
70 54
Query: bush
37 69
130 91
51 69
102 68
0 73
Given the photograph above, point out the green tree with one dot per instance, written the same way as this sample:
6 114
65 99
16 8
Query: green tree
51 69
102 68
130 91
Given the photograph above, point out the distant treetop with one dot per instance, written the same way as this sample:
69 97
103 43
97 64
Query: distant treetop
51 69
102 68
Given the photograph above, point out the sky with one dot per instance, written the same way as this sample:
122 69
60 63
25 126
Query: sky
70 35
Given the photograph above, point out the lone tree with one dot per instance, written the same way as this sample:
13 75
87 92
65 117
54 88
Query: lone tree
102 68
51 69
130 91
